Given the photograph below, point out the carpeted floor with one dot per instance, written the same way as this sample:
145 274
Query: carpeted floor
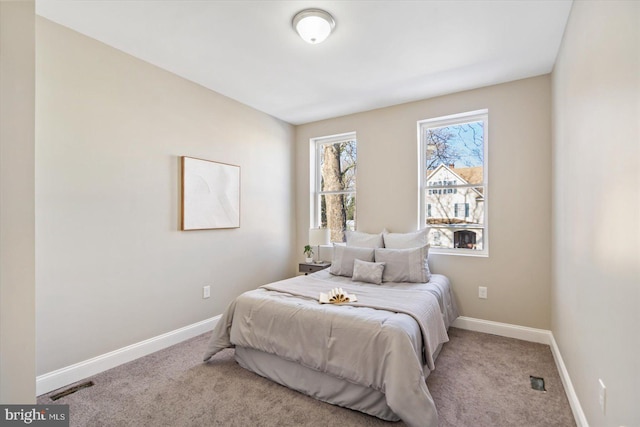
480 380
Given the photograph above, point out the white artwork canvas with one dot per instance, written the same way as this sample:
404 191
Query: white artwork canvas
210 194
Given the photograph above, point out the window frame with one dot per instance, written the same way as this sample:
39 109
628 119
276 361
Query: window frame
315 180
443 121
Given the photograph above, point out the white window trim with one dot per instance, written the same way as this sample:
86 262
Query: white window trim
449 120
314 173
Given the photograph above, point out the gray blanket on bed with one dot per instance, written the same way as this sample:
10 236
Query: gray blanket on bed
422 306
373 342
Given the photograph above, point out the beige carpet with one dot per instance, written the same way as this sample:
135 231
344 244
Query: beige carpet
480 380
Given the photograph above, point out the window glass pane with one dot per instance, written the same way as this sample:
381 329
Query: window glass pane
338 214
458 150
466 206
451 237
338 166
450 213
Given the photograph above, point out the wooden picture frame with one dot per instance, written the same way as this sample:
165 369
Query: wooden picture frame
210 194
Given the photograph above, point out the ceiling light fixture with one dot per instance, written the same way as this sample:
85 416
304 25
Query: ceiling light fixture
313 25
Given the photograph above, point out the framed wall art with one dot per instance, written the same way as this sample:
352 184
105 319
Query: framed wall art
210 194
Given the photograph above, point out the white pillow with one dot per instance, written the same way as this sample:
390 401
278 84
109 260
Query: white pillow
417 239
344 257
364 240
370 272
404 265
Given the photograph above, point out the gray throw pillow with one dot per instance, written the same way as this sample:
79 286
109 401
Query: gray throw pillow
417 239
364 240
404 265
370 272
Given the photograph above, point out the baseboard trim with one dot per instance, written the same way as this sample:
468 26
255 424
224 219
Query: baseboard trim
574 402
76 372
541 336
524 333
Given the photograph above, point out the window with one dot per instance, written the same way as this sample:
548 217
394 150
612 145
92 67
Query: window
333 180
436 237
453 189
461 210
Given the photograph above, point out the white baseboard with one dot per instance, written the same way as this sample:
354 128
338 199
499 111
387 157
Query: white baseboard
524 333
541 336
576 408
76 372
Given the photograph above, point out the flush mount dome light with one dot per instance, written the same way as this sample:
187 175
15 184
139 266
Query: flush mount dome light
313 25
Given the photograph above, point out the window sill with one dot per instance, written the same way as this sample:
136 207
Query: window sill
459 252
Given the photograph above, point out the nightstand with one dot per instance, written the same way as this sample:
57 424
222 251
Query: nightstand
312 267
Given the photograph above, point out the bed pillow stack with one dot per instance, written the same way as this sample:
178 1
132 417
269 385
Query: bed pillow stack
383 257
360 246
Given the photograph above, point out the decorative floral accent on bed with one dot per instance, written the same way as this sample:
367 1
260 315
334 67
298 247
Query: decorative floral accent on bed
336 296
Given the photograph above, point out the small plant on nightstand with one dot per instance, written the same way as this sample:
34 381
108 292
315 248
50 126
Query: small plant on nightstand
308 252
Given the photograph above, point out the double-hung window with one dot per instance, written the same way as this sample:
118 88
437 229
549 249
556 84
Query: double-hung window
333 184
453 182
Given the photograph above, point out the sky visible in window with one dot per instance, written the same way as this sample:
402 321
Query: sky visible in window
465 144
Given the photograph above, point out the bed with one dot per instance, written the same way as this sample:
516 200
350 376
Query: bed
372 355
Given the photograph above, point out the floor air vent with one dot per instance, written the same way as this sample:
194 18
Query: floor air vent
537 383
71 390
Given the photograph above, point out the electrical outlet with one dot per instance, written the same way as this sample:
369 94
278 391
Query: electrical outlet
602 398
482 292
206 292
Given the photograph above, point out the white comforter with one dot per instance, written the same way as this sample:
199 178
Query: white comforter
381 342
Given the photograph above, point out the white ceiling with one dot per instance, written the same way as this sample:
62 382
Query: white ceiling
381 53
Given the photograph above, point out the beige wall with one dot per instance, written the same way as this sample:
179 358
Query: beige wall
17 224
112 266
517 272
596 153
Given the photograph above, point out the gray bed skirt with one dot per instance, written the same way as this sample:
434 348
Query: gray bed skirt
318 385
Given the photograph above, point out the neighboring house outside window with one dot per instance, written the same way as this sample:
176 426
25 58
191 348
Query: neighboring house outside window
436 237
461 209
333 184
453 195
